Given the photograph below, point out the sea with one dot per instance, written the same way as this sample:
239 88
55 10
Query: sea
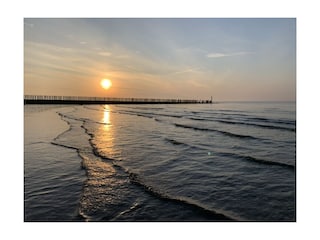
225 161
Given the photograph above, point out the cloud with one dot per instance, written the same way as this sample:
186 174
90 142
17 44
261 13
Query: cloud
216 55
83 42
31 25
105 54
188 70
220 55
123 56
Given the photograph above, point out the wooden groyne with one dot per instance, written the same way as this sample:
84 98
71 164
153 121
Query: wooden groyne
37 99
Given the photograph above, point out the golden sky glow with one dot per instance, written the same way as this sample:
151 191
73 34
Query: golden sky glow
229 59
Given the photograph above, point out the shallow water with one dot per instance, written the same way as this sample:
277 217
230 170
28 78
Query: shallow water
53 177
196 162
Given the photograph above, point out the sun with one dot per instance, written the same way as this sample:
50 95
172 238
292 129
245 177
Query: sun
106 83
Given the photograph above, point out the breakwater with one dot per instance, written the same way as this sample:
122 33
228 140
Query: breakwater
44 99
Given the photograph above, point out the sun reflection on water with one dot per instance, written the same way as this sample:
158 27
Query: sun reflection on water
106 115
106 135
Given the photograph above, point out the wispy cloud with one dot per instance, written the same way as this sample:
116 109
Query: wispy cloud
123 56
105 54
31 25
220 55
188 70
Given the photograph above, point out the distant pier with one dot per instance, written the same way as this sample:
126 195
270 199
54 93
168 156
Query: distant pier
42 99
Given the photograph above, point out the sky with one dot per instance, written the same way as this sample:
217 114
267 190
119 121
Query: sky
192 58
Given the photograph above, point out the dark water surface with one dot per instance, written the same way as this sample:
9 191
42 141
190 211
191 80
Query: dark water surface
194 162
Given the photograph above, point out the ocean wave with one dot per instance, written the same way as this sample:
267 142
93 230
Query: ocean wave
247 123
152 189
227 118
149 114
232 155
247 117
257 125
81 120
69 124
132 208
200 119
134 114
147 108
65 146
253 159
137 180
175 142
229 134
269 120
95 109
212 214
